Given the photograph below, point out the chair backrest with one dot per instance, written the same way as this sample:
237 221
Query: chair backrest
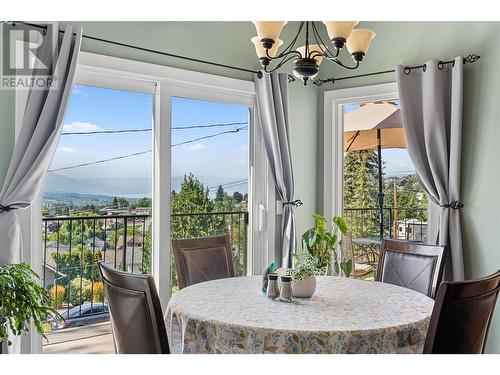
202 259
414 266
462 315
136 316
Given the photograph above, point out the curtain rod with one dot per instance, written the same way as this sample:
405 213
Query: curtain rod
469 59
44 27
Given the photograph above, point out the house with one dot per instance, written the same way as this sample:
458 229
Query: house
411 229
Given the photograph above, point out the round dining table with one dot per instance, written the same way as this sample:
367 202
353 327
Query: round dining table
344 315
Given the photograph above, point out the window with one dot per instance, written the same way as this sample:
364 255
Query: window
100 177
159 86
369 177
210 175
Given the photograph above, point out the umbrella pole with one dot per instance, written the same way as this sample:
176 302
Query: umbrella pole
380 187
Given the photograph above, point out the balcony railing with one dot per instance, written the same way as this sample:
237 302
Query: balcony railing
408 224
400 223
73 247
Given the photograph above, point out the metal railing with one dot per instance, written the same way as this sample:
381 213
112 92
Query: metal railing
410 223
207 224
73 247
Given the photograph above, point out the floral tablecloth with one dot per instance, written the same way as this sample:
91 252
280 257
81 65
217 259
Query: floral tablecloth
343 316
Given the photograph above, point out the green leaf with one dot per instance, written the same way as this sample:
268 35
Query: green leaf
340 222
346 267
336 266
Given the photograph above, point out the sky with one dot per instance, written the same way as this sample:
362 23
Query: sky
217 160
220 159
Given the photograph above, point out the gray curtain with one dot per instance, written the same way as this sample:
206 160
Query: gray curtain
37 139
272 107
431 105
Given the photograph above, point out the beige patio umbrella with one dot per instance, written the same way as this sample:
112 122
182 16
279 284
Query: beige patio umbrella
362 125
374 126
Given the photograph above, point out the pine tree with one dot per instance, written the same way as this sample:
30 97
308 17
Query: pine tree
361 190
219 196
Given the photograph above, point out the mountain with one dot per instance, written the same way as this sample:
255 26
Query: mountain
122 186
126 186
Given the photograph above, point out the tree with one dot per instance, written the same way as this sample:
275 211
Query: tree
219 196
80 291
360 191
191 198
146 263
238 197
142 202
82 261
411 198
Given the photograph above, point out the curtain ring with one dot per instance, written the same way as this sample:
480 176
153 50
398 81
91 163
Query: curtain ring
407 70
440 65
424 67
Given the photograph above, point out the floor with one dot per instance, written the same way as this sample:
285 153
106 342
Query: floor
91 339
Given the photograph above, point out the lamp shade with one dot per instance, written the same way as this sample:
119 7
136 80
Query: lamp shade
359 40
269 29
339 29
313 47
261 51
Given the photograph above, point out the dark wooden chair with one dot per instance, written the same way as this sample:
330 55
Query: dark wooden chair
202 259
136 316
414 266
462 315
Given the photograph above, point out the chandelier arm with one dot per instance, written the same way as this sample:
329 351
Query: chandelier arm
283 62
338 62
282 55
314 54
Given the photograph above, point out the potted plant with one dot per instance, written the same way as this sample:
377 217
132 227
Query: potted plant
304 277
321 244
22 301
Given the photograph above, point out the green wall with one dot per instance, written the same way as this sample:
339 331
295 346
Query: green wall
410 43
395 43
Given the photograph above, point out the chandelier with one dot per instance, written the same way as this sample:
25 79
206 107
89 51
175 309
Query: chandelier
308 57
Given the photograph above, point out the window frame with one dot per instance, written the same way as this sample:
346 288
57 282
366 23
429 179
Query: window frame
333 154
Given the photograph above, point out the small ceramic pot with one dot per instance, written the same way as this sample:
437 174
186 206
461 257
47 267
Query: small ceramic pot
304 288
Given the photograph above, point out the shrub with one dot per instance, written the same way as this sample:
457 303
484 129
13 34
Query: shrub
57 293
98 292
80 291
22 301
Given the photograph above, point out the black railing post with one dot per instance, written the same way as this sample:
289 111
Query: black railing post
125 236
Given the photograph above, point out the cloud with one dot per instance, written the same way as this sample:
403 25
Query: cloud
79 126
67 150
78 91
196 147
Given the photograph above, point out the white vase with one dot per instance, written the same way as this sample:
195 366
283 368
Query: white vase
304 288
